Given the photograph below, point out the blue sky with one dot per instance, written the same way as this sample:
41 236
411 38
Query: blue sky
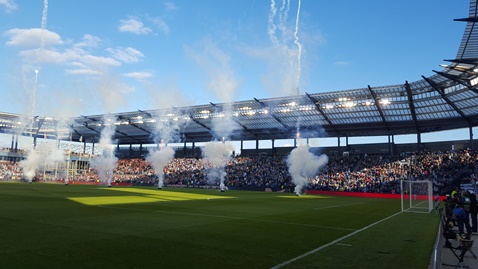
95 57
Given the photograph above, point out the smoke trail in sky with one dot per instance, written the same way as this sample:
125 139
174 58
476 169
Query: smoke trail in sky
299 47
42 45
283 13
106 163
33 104
285 66
43 24
271 29
217 154
304 165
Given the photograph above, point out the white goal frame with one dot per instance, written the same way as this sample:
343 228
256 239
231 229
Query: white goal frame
416 200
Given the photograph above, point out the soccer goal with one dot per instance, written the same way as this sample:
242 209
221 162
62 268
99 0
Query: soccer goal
417 196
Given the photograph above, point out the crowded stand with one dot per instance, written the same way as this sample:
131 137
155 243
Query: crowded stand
352 173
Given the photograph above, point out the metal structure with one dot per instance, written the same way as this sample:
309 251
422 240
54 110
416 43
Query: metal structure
446 100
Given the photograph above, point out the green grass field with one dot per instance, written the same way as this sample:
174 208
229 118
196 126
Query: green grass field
78 226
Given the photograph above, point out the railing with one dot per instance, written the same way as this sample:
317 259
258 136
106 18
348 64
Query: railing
436 262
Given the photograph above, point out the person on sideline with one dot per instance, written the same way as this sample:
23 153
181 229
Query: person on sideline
462 220
473 211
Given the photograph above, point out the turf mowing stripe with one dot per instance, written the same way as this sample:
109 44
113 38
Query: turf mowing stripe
332 243
334 206
228 217
298 224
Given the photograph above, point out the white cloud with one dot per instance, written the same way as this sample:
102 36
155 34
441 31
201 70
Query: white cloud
127 55
88 41
9 5
83 72
161 24
126 88
48 56
169 6
134 25
138 75
76 56
32 37
341 63
99 61
77 64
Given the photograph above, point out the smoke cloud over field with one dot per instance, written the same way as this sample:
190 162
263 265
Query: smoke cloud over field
304 165
217 154
46 154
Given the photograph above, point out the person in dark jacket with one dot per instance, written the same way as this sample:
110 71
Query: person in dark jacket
473 211
462 220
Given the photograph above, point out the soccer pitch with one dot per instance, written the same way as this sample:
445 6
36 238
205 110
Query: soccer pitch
82 226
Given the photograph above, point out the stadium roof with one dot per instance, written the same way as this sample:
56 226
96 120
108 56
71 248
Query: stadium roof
446 100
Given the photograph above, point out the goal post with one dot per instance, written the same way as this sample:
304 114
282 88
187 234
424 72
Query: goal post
416 196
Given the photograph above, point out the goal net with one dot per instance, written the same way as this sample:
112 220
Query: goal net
417 196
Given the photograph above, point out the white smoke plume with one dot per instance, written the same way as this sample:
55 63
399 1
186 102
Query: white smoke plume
223 126
167 126
45 154
166 130
217 154
224 84
159 159
106 163
304 165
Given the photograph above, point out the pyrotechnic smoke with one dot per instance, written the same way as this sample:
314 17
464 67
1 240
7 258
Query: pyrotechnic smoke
299 46
110 91
43 23
303 165
283 13
166 130
167 126
286 62
217 154
46 153
223 84
271 29
224 125
42 46
159 159
106 163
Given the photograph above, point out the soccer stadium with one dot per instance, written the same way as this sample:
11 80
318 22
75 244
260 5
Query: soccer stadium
167 188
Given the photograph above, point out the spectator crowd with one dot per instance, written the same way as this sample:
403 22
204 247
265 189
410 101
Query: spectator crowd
357 173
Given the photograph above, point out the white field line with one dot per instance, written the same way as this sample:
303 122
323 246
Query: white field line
331 243
239 218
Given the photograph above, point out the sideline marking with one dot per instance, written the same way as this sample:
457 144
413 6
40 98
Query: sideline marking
332 243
